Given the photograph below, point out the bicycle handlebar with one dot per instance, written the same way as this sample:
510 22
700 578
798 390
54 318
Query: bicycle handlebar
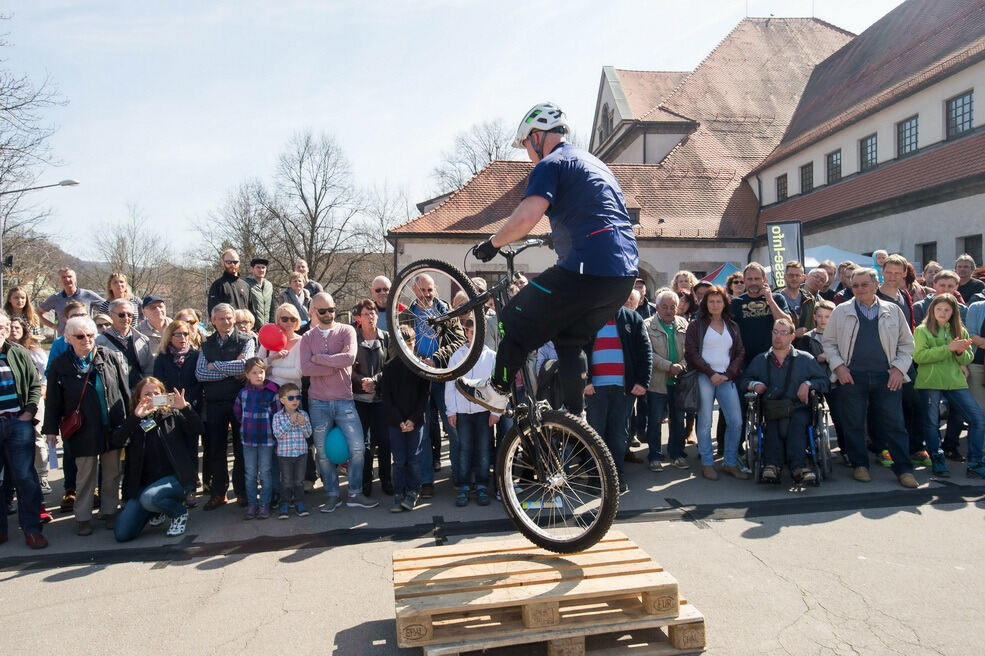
543 240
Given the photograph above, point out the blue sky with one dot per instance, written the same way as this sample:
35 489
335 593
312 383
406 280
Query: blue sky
173 104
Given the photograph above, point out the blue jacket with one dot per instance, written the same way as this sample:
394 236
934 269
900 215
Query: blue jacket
637 355
975 317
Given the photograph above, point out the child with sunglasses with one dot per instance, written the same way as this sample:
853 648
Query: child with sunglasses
292 428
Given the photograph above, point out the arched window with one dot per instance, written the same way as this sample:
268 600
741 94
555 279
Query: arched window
605 122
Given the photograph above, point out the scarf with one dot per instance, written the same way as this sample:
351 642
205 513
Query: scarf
179 355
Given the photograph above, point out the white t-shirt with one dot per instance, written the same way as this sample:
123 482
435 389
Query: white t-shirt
715 349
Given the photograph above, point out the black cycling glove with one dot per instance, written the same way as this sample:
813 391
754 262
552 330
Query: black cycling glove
485 251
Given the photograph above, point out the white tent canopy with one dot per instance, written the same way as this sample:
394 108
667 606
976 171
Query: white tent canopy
818 254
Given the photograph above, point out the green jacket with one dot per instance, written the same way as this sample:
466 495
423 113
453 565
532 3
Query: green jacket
939 368
26 379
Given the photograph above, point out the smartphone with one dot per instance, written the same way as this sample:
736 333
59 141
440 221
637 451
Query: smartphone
161 400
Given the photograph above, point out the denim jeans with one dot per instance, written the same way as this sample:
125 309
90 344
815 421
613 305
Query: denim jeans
728 404
786 440
324 416
658 404
405 447
964 402
162 496
608 413
291 477
17 446
258 462
869 396
474 436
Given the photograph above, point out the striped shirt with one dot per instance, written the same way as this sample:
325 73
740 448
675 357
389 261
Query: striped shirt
9 402
608 367
292 439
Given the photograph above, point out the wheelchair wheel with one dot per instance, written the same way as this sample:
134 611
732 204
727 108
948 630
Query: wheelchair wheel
433 325
824 443
752 437
559 484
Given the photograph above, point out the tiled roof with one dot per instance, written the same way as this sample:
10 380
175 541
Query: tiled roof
644 90
947 163
743 94
915 44
664 195
480 206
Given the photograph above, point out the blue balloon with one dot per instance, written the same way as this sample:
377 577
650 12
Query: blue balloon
336 447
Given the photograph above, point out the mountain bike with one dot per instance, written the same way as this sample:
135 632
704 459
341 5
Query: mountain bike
555 475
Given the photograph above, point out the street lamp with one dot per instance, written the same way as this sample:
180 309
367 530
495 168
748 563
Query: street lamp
3 217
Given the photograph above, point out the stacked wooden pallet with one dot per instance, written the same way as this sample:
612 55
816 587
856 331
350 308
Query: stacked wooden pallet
610 599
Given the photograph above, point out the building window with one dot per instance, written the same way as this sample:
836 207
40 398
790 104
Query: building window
781 187
906 137
972 245
867 155
833 164
807 177
926 252
959 114
634 215
605 124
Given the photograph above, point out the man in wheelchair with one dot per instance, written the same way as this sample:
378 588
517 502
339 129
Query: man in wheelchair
785 376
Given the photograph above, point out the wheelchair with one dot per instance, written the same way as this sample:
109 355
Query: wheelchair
818 451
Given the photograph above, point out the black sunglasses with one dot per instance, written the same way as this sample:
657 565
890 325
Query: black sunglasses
293 397
125 315
322 311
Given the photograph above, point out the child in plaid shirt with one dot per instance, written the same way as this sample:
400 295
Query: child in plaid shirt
254 406
292 427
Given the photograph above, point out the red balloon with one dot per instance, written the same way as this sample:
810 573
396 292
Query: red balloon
272 338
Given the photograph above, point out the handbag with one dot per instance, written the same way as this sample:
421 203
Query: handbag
72 422
774 409
686 392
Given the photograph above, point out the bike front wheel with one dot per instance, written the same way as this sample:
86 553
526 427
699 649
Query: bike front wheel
421 298
558 483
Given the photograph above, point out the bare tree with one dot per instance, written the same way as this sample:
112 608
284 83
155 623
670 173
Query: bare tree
24 145
386 208
316 210
132 248
241 222
472 151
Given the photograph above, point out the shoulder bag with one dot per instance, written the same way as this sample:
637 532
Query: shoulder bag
72 422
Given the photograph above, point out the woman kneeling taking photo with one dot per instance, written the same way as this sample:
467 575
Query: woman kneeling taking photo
158 467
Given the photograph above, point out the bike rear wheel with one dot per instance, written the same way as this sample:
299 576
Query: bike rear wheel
435 331
562 496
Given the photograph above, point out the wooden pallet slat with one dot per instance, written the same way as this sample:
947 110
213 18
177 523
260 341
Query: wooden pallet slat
474 596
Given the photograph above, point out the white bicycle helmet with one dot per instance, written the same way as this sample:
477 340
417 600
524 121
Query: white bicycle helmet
543 116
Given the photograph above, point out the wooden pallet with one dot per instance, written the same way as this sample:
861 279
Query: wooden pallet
459 598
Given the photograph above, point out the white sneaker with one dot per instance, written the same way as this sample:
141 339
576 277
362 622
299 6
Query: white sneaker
481 391
178 525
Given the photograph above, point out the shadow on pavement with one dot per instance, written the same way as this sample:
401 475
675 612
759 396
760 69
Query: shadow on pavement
369 638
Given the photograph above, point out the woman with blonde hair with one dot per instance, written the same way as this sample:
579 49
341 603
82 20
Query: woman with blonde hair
285 364
683 282
941 347
18 306
117 286
190 316
297 295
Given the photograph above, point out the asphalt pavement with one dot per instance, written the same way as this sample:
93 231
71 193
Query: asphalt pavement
844 568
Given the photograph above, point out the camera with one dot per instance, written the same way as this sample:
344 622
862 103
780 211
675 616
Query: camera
161 400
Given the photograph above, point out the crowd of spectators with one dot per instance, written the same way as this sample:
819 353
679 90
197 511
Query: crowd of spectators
148 407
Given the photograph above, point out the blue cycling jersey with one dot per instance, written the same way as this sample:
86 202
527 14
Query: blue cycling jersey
590 225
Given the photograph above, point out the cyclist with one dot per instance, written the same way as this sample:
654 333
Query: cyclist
597 260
